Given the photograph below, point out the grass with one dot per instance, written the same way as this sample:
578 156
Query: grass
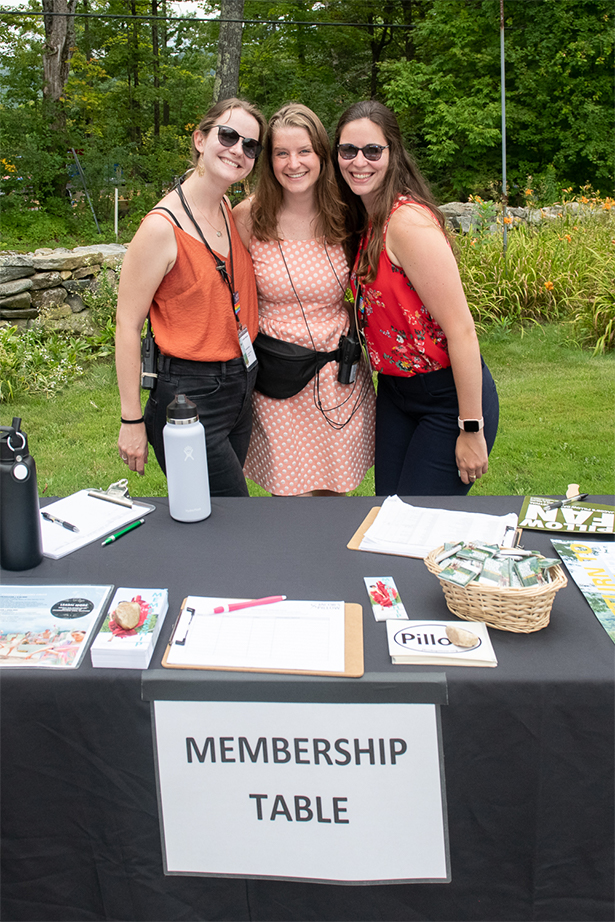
556 423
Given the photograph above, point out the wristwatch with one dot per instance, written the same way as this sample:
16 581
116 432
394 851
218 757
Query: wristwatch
470 425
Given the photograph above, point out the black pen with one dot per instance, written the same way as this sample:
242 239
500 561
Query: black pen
558 503
52 518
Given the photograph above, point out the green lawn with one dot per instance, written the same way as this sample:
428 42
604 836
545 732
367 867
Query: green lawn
557 415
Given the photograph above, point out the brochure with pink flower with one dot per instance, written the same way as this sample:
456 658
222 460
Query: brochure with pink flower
129 633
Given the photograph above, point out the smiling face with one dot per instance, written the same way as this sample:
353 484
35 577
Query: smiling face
295 164
363 176
228 164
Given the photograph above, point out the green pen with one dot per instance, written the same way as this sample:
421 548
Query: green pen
119 534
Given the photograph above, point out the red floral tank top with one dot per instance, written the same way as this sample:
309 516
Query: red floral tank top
402 337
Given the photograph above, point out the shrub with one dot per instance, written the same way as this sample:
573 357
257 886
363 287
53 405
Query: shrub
558 270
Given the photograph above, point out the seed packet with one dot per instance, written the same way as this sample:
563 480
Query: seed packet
495 573
385 599
449 551
459 574
469 552
528 572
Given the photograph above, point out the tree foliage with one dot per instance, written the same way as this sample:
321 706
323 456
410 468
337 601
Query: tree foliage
137 87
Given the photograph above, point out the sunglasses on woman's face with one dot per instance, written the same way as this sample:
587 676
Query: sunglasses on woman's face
228 137
370 151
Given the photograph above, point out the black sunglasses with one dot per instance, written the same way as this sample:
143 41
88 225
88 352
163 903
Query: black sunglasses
370 151
228 137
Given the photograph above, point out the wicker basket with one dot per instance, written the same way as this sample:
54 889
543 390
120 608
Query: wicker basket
518 610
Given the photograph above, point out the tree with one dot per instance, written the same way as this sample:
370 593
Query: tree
559 93
229 50
59 43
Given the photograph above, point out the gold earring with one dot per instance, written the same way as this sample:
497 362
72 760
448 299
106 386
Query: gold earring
200 167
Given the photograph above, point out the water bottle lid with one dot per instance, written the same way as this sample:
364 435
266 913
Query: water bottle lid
182 410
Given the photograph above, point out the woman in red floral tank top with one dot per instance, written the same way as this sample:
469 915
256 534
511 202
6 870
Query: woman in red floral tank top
437 405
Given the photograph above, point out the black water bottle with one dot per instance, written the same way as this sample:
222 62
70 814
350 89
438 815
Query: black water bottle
20 523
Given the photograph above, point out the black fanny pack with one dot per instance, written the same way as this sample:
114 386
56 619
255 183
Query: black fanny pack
284 368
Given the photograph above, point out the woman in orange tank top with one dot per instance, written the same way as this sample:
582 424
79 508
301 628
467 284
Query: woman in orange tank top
188 269
437 405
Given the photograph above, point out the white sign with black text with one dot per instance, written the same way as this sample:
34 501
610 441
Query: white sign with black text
309 791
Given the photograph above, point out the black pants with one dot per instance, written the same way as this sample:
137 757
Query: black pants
417 430
222 392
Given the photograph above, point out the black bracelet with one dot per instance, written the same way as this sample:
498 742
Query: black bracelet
132 422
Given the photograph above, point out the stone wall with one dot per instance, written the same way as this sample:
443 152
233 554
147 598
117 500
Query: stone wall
470 216
47 285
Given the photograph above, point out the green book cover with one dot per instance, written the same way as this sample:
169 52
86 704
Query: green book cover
577 517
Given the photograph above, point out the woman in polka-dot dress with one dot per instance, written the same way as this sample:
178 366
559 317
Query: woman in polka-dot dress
321 441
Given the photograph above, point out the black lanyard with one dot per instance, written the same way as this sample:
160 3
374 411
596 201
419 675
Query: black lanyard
220 264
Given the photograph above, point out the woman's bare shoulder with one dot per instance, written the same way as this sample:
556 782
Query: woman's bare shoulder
242 215
411 214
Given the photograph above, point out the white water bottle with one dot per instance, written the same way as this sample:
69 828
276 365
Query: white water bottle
186 462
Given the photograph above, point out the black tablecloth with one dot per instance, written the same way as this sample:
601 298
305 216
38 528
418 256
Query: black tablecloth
528 746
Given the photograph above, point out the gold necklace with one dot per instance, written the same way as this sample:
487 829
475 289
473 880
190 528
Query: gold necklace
213 226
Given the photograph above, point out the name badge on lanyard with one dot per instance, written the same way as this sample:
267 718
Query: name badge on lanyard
247 349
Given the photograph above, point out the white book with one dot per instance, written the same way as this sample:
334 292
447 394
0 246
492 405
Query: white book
440 643
122 644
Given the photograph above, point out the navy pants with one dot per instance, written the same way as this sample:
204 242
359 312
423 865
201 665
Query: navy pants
417 430
222 392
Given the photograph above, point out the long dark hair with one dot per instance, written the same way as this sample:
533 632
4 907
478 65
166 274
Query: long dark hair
269 194
402 177
214 114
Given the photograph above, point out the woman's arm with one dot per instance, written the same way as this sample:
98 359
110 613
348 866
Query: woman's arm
150 256
242 215
418 245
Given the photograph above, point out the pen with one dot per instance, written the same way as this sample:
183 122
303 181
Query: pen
558 503
123 531
52 518
237 606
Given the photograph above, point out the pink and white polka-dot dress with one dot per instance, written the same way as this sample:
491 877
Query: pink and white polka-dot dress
293 448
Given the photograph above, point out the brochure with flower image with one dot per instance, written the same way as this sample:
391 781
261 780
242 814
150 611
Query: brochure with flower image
129 633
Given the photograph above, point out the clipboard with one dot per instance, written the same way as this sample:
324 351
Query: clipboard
355 542
353 650
93 517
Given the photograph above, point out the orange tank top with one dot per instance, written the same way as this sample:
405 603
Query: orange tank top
192 313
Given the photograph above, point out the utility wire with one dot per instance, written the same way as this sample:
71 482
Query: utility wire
193 19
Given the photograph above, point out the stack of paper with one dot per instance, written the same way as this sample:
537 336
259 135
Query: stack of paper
129 633
414 531
440 643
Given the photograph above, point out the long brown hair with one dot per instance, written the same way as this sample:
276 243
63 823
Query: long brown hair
269 194
401 178
212 117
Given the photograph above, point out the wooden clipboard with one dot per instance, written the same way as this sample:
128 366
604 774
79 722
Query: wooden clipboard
355 541
353 650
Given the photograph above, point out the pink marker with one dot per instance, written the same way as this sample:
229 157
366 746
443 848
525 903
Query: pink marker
237 606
